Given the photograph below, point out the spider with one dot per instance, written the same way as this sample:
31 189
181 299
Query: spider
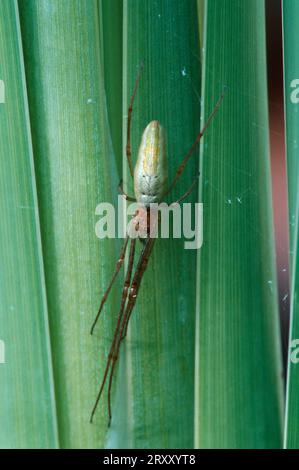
150 186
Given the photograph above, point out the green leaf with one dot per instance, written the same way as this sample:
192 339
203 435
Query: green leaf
159 378
238 366
291 74
291 440
111 21
77 76
76 170
28 415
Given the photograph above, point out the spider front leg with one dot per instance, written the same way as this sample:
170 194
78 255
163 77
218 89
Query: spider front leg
122 192
141 267
112 357
117 269
189 190
194 145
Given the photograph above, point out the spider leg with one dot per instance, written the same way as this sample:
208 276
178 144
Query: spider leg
130 110
193 147
117 269
142 263
141 267
121 191
189 190
111 356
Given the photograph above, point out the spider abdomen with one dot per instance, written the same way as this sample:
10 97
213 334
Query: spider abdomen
150 174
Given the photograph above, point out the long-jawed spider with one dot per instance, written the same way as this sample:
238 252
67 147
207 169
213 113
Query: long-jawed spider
150 186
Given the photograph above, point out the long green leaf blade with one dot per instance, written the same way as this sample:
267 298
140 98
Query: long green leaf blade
291 69
27 413
76 170
291 83
160 344
238 383
111 22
